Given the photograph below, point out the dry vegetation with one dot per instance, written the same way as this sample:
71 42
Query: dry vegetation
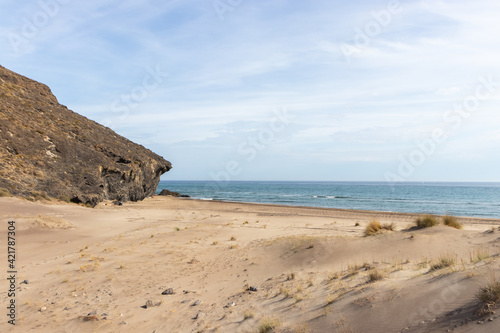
489 296
451 221
429 220
375 227
426 221
269 324
443 262
375 275
4 192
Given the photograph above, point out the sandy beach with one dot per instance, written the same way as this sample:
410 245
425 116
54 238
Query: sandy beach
178 265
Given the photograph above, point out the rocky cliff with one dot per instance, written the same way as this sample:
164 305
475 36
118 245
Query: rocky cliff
47 150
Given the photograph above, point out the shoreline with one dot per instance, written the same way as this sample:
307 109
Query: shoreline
476 200
476 219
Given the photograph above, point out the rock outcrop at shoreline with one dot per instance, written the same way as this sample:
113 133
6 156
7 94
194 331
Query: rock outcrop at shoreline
47 150
173 194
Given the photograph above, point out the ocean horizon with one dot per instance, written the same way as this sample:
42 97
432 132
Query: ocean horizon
472 199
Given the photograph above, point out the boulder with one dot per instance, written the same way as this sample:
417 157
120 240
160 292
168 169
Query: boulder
173 194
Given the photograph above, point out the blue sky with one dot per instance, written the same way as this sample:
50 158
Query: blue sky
277 90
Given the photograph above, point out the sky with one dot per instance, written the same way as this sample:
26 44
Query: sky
320 90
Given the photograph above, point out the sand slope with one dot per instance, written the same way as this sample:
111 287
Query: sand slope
312 269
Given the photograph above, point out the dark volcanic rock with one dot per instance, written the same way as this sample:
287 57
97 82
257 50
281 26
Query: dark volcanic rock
47 150
173 194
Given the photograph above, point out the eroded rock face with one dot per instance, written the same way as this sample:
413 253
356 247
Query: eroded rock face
48 150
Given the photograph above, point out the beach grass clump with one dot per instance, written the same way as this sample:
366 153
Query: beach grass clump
479 255
451 221
489 297
269 324
372 228
426 221
443 262
375 226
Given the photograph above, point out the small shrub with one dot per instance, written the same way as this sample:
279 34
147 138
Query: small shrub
489 297
375 275
426 221
451 221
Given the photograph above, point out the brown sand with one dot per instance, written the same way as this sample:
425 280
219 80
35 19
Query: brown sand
311 268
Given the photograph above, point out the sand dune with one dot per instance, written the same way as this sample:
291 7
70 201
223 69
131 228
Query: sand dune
236 267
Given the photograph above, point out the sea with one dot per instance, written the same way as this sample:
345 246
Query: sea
458 199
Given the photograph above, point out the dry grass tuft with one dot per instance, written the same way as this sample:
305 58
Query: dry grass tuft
389 227
443 262
451 221
374 227
90 267
285 291
426 221
333 276
248 315
489 297
375 275
331 298
269 324
479 255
